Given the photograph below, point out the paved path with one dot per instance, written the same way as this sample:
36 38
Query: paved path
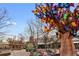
19 53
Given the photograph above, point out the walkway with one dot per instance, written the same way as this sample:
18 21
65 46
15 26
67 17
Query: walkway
19 53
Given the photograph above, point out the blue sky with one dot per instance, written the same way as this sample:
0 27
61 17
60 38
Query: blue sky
21 13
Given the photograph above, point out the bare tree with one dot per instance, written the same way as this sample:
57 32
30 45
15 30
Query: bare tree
4 22
34 29
38 30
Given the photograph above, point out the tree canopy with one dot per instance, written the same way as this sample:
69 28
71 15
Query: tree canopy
58 16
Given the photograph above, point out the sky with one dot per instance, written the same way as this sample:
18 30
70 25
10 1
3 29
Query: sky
21 13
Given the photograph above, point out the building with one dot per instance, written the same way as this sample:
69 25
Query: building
53 42
12 43
4 45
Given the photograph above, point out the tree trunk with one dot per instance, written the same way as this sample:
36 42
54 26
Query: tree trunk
45 40
67 45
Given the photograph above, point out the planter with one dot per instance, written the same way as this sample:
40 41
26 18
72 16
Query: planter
5 54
